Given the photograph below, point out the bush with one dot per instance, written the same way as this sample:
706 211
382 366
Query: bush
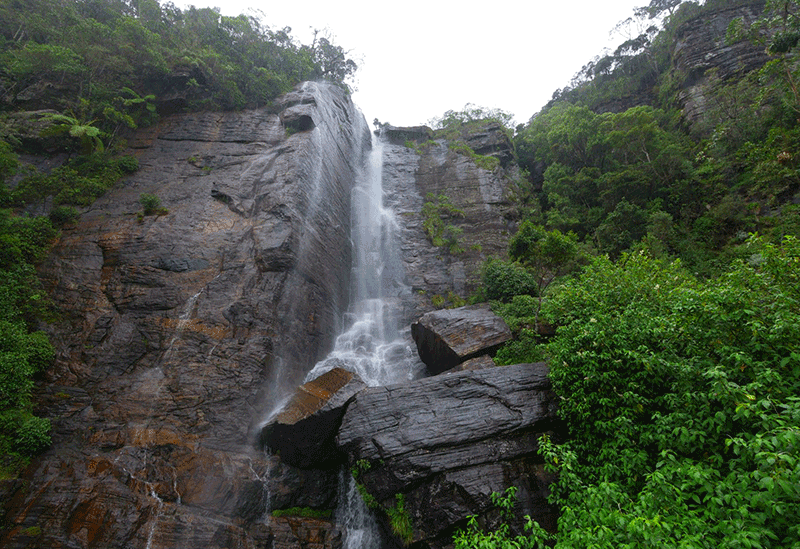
63 215
502 280
680 396
32 435
151 204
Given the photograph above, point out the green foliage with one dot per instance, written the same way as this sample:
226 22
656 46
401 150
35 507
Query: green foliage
122 57
400 520
489 163
471 115
23 352
78 182
151 204
681 401
63 215
475 537
436 211
307 512
502 280
369 499
361 466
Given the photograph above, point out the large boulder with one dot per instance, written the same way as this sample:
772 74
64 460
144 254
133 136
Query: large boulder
447 442
448 337
303 432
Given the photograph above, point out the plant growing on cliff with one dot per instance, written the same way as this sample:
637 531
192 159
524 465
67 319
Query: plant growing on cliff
24 352
475 537
400 520
436 213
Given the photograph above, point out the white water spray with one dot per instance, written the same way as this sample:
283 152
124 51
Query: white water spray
372 345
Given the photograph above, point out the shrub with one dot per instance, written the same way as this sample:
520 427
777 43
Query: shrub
151 204
502 280
63 215
401 520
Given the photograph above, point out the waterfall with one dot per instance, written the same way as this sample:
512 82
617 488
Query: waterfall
372 344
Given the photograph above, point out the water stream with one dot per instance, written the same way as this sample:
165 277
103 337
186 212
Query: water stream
372 344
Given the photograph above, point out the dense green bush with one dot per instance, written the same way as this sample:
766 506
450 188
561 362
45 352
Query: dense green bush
502 280
681 401
24 352
437 211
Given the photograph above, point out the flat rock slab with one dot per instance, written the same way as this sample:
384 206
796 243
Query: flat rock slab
448 337
303 432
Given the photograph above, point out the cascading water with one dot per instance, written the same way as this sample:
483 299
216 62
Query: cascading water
372 344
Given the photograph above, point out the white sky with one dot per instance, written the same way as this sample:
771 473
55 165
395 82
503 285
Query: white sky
420 58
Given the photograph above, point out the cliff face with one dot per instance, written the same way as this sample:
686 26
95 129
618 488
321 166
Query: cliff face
179 333
411 173
177 330
701 47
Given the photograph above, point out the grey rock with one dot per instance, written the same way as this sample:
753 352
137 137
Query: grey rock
448 337
448 442
304 430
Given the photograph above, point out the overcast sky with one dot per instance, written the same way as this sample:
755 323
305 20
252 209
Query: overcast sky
420 58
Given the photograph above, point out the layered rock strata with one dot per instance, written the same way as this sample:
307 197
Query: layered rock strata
446 338
445 443
701 47
178 331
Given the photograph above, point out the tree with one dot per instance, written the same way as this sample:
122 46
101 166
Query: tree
680 397
548 254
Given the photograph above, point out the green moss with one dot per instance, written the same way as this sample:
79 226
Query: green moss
369 499
33 531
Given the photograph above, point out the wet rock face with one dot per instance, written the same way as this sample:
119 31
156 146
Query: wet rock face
447 442
701 46
431 166
179 330
303 432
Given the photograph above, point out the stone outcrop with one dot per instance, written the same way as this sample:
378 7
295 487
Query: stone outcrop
304 431
701 46
430 166
447 442
448 337
178 331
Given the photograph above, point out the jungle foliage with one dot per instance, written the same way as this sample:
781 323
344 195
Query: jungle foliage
644 176
676 356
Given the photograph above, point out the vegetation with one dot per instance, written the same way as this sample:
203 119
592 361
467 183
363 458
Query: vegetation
681 400
400 520
436 212
23 351
643 177
474 537
676 357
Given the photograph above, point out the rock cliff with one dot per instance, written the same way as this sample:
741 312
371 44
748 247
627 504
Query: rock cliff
179 333
177 330
701 47
419 166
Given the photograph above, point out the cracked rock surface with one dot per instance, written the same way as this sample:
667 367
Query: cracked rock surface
448 442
